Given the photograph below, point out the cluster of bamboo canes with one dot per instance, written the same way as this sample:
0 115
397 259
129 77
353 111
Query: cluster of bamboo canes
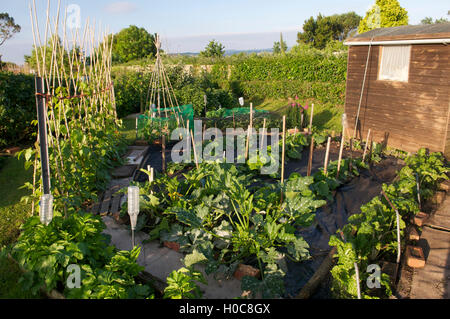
74 66
160 92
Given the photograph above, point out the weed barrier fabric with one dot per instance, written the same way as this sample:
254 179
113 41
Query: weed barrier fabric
347 201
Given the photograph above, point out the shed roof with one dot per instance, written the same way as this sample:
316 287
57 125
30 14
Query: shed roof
408 32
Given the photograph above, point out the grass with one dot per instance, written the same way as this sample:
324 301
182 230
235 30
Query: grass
326 116
12 214
129 129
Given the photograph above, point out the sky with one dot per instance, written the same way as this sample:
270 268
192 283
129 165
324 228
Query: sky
188 25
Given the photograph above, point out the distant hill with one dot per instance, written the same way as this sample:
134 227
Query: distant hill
227 52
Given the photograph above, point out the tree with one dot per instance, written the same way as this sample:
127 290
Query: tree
349 21
384 14
429 20
279 47
213 50
133 43
318 32
7 29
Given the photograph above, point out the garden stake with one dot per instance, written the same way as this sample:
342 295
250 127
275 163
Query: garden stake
263 135
311 118
149 176
136 128
251 115
247 143
418 191
163 153
195 152
341 149
398 226
370 150
365 146
358 288
311 151
327 154
351 155
301 122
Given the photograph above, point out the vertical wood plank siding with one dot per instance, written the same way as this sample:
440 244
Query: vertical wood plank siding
411 114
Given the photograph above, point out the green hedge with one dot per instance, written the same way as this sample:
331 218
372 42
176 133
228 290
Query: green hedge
17 108
130 89
306 67
325 92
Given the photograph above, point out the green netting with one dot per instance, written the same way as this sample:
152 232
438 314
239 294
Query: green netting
235 111
165 117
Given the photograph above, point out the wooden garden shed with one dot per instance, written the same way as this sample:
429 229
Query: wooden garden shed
398 86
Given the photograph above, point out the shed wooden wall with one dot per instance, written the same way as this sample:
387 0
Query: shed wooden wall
415 114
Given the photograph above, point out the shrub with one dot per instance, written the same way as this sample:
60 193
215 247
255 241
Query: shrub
130 90
17 108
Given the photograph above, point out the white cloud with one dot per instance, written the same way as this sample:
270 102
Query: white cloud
120 7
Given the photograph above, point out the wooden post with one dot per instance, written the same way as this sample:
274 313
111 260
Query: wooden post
163 154
341 149
365 146
263 133
351 155
311 118
370 150
195 152
42 127
311 151
247 143
251 115
301 121
327 154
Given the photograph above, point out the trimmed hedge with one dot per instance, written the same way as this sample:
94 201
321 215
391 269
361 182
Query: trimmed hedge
17 108
325 92
308 67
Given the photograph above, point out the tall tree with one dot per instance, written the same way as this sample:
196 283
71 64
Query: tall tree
318 32
7 29
213 50
133 43
384 14
279 47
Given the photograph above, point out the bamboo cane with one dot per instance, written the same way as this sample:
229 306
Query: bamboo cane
341 149
311 151
311 118
163 153
365 146
195 152
327 153
247 142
